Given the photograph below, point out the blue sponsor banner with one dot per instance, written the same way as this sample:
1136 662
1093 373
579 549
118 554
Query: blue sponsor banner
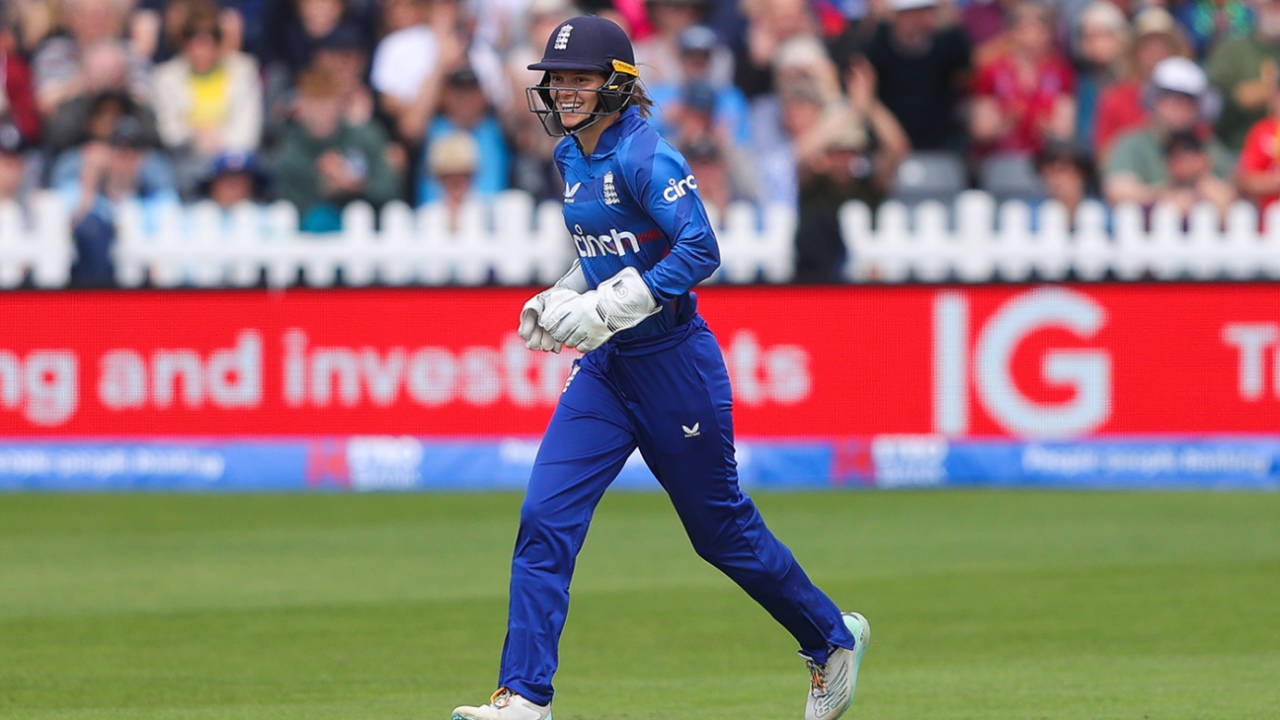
413 463
1120 463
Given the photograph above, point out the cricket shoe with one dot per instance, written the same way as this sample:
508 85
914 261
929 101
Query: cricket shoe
831 686
504 705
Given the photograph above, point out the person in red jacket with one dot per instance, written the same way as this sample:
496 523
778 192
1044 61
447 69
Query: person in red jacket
1023 97
1120 107
1258 171
18 99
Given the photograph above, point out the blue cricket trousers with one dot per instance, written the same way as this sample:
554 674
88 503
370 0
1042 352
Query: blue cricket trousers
668 395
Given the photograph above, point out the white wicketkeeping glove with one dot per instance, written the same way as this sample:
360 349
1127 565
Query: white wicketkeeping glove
534 335
590 319
567 287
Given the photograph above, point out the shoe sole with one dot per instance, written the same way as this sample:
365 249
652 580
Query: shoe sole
460 716
862 638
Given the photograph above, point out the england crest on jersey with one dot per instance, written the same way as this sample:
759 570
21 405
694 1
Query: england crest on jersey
609 192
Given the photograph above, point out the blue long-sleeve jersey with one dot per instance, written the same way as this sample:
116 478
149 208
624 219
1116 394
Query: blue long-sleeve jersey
634 201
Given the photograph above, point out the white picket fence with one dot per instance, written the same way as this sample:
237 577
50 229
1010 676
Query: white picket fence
38 241
513 242
988 242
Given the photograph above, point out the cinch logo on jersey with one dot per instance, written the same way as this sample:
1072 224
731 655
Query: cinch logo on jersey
562 39
615 243
677 189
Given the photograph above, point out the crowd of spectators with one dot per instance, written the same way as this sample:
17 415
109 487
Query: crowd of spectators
808 103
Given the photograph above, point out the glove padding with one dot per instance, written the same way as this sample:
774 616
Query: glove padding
534 335
590 319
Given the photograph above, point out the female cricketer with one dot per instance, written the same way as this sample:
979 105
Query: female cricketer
652 377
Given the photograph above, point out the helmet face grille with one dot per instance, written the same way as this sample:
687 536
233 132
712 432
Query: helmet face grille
611 97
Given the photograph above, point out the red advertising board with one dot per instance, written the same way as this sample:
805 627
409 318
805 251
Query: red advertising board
1066 360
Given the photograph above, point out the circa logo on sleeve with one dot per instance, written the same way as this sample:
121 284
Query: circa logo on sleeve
677 189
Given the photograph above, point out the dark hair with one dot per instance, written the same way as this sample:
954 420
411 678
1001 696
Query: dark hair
202 19
1185 141
640 100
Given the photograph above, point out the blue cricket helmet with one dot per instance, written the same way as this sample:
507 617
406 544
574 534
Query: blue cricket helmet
593 44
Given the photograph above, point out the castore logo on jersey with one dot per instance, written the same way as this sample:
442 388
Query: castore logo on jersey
569 192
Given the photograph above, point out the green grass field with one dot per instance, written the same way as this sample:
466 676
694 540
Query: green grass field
1023 605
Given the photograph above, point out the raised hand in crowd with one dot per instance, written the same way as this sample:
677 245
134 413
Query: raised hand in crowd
337 175
1255 93
413 118
1191 178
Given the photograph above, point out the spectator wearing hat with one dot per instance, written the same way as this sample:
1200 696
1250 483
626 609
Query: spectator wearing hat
324 163
1102 48
208 101
1023 97
921 67
342 56
453 163
1244 70
1121 107
693 116
1258 173
15 180
232 179
1181 102
96 178
466 109
699 47
695 125
17 92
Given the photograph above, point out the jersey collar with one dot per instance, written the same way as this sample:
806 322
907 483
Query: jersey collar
613 134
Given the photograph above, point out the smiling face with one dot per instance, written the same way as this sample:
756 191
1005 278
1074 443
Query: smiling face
575 106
